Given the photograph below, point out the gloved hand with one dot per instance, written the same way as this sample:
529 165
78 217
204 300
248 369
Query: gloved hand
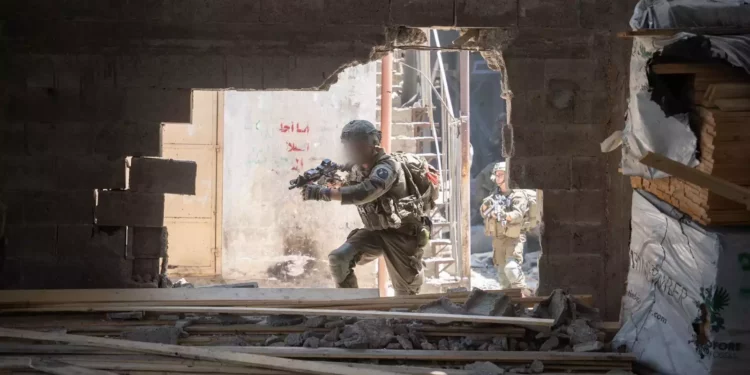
315 193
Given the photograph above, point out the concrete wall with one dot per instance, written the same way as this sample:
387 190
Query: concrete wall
269 232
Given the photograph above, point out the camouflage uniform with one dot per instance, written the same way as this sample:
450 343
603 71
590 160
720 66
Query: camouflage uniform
391 229
508 238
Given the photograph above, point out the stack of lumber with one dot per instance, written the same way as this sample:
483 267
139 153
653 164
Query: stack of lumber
260 331
722 118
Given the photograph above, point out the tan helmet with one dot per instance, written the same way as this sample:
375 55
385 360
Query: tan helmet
498 167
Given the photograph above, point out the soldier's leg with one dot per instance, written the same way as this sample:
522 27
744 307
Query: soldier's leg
361 246
403 257
498 259
513 262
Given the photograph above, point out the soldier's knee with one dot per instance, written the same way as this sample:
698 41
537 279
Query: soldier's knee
341 256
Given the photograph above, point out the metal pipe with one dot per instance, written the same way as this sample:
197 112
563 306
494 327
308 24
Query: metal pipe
386 107
465 218
446 93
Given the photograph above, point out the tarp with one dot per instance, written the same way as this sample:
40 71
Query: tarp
688 290
664 14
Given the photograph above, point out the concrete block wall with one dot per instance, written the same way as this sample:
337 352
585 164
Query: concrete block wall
87 79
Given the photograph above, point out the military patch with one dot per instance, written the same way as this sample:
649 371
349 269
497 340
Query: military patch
382 173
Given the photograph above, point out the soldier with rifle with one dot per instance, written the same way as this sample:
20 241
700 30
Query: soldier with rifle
392 193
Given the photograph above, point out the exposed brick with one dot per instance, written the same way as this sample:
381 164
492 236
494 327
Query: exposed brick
170 176
590 239
292 11
479 13
28 173
588 75
552 44
557 238
30 241
60 138
591 207
244 72
89 241
577 140
548 13
559 206
541 172
142 104
145 270
92 172
149 243
126 208
129 139
172 71
360 12
588 173
525 74
422 13
76 207
12 139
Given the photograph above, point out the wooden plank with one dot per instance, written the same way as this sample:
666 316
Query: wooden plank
211 354
733 105
714 184
54 367
679 68
443 318
692 30
30 297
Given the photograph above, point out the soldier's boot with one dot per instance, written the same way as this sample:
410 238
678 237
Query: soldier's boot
349 282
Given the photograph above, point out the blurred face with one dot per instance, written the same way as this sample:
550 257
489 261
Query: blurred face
358 152
500 178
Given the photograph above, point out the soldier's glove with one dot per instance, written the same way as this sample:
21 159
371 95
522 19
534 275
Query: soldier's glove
313 192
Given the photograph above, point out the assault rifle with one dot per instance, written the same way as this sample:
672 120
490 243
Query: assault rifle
322 174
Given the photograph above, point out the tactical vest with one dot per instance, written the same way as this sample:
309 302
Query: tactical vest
495 228
394 208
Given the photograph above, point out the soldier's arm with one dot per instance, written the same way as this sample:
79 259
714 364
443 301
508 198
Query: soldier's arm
517 212
379 181
486 208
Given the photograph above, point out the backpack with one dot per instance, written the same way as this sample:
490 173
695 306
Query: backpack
535 213
422 179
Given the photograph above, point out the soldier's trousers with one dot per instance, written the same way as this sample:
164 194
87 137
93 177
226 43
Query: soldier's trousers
508 257
400 247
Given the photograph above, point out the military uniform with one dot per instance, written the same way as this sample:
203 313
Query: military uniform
391 229
508 237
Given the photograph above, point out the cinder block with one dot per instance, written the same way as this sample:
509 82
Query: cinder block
292 12
588 75
245 72
10 274
275 72
591 207
556 238
91 172
12 138
127 208
148 243
548 172
13 201
312 72
45 105
541 43
572 140
146 270
169 176
555 273
28 173
129 139
59 207
172 71
529 107
90 241
598 14
78 273
548 13
589 173
590 239
30 241
528 140
525 74
559 206
360 12
479 13
59 138
422 13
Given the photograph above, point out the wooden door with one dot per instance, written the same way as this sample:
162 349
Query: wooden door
194 231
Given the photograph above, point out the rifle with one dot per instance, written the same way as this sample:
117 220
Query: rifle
322 174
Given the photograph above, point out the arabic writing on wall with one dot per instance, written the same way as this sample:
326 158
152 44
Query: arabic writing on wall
295 146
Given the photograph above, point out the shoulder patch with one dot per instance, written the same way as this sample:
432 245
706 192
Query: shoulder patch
382 173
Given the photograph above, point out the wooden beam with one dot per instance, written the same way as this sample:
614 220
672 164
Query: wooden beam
211 354
442 318
686 68
716 185
31 297
49 366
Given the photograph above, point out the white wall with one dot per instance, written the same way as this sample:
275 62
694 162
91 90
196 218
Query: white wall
269 233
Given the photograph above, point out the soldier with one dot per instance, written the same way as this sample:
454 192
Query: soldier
506 213
395 229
